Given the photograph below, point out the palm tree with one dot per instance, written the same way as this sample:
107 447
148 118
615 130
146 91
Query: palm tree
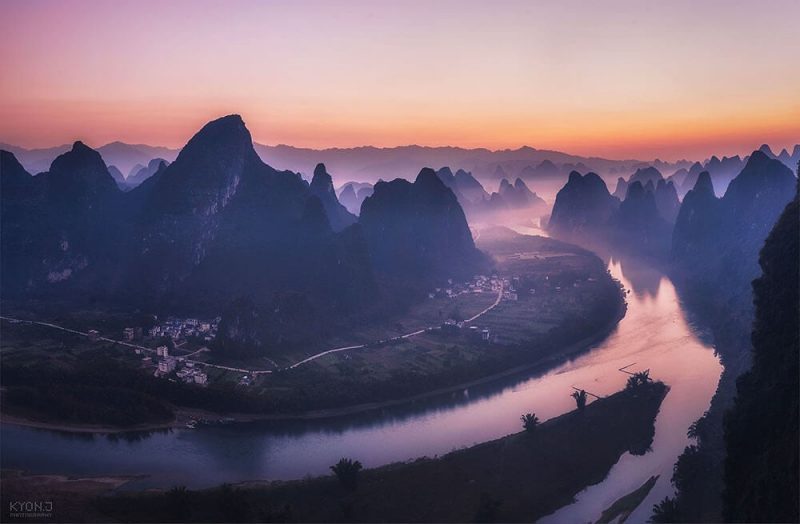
639 379
177 503
529 422
346 470
665 511
693 431
580 399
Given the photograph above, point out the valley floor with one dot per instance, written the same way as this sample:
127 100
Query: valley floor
548 301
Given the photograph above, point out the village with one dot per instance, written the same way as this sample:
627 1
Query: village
174 348
175 340
453 325
177 348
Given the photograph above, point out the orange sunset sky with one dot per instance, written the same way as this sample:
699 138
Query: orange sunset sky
620 79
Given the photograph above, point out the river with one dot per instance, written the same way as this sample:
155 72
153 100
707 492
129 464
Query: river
655 334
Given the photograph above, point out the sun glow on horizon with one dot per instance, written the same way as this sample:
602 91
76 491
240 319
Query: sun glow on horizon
618 80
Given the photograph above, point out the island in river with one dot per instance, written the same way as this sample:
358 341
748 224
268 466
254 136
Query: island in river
517 478
545 300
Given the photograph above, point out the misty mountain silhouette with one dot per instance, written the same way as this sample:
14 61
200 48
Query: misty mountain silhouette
144 172
322 187
117 176
717 240
476 201
219 227
582 205
518 195
622 188
641 223
215 224
58 223
637 222
667 200
353 194
645 175
218 223
419 229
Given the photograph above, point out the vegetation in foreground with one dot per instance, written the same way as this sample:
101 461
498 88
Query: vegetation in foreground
762 429
520 477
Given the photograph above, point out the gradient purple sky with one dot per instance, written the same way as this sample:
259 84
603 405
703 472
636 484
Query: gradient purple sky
613 78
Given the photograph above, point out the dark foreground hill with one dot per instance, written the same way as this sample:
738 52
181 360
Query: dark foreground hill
762 430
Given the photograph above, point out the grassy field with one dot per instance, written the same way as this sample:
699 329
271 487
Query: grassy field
430 311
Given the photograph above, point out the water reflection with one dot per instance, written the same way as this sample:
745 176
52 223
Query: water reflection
653 335
645 280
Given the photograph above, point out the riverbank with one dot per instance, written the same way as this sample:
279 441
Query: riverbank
183 416
53 498
699 470
520 477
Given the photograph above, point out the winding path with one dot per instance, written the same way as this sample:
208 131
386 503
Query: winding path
400 337
259 371
128 344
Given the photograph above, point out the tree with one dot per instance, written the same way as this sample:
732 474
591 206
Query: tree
232 504
693 431
177 503
487 508
580 399
638 380
665 511
529 422
346 470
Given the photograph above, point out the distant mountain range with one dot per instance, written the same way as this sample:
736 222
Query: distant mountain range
709 232
124 157
585 211
369 164
478 203
470 193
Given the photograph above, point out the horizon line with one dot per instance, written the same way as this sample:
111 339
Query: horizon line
421 146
